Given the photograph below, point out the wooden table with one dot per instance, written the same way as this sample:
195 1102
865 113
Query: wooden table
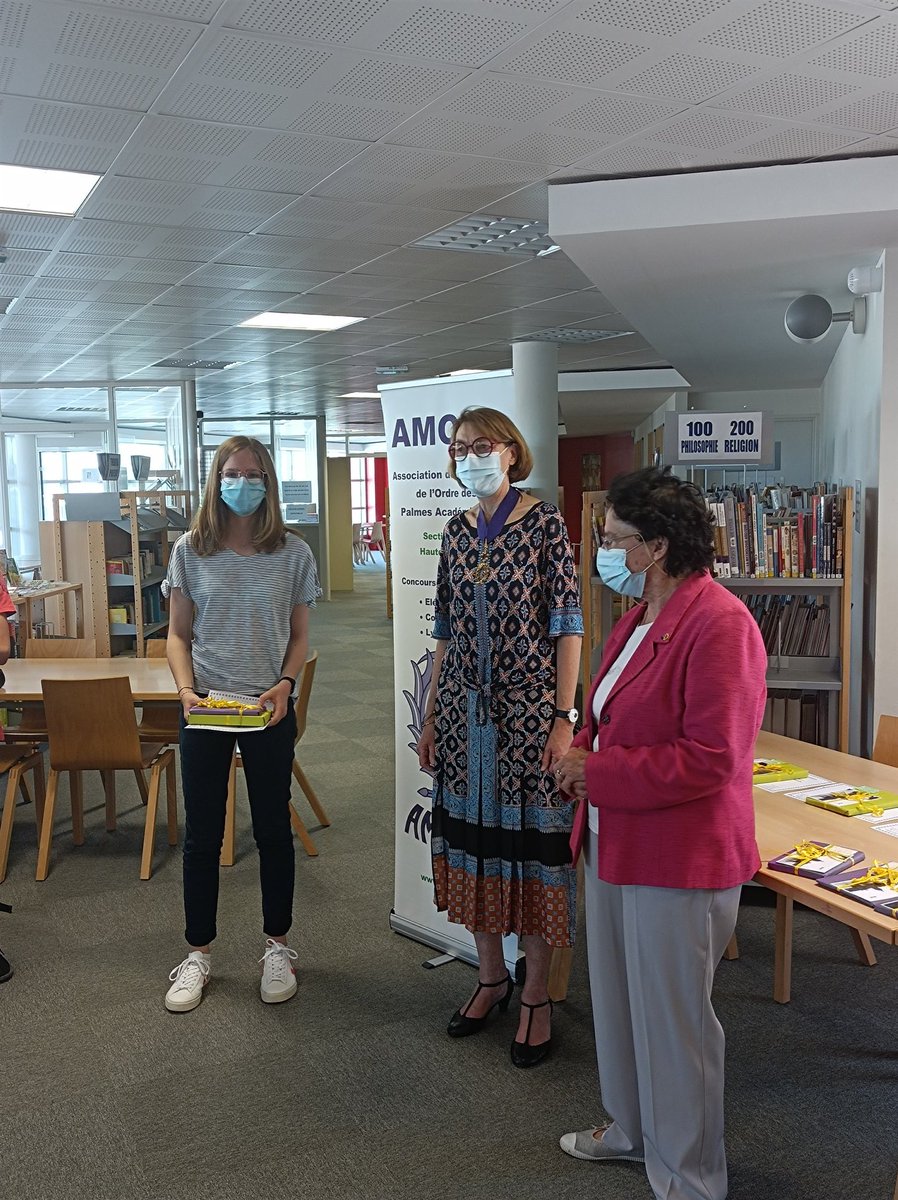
24 597
151 678
781 822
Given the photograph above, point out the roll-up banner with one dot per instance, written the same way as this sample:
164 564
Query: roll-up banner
418 420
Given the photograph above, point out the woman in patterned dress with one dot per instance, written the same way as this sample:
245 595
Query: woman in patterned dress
499 716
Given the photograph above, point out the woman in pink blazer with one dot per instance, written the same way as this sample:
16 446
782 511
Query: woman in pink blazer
666 823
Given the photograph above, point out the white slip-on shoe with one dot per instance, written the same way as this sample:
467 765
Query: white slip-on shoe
585 1145
188 980
278 975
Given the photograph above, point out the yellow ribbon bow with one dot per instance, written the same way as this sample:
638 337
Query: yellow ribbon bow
806 852
864 800
878 875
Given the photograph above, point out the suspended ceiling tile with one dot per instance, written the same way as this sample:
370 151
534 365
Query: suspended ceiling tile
337 21
688 77
451 35
789 95
444 133
658 17
797 142
497 98
874 114
572 57
346 120
780 30
871 54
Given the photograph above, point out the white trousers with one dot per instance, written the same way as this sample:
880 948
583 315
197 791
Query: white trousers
660 1046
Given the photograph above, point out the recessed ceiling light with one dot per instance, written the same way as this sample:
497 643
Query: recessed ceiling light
360 396
32 189
465 371
291 320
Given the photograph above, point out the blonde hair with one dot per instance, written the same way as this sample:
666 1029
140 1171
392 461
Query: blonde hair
207 532
491 423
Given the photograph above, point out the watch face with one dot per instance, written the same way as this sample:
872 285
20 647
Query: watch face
573 715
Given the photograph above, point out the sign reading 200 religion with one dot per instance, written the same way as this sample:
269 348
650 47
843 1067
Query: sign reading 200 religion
418 419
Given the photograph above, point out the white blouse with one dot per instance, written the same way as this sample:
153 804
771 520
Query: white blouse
609 679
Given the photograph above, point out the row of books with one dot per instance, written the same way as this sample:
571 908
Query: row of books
836 869
124 565
801 538
124 614
801 715
791 625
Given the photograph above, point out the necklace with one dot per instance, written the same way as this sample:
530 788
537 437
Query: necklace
487 530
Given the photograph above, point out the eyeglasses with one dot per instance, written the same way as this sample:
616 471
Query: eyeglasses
251 476
481 446
608 543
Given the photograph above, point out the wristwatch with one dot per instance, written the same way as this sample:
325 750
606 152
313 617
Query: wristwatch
569 714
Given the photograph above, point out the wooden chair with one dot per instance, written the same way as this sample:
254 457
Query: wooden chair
14 762
301 708
32 729
885 748
92 727
34 722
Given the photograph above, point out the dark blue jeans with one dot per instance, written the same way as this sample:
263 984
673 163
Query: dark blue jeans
205 763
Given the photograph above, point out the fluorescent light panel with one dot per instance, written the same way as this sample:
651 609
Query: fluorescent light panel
32 189
290 320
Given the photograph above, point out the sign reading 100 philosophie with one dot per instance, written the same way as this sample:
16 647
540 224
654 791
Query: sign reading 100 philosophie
719 437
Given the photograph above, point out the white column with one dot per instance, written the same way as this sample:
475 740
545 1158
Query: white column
535 369
191 467
23 497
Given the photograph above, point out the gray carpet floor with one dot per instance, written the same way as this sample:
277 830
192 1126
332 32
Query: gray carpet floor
352 1089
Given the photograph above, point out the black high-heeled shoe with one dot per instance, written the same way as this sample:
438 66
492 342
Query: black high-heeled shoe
522 1053
463 1026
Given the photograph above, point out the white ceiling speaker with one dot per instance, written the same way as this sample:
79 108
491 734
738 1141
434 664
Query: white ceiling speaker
810 318
864 280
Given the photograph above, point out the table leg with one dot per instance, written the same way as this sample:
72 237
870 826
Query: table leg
864 950
782 974
732 951
560 972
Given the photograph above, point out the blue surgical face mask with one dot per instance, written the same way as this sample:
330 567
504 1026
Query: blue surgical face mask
242 496
614 572
482 476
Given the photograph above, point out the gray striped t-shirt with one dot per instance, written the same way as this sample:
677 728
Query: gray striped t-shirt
241 626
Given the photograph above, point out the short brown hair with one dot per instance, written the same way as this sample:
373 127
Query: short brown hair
495 425
208 528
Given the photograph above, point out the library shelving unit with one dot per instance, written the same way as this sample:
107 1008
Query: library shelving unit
122 607
828 673
825 675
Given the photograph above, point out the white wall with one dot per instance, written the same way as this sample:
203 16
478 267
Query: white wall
848 448
885 506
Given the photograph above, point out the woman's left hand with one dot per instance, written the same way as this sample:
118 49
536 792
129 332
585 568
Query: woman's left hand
278 697
557 744
570 772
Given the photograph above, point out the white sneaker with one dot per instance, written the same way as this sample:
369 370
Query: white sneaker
188 981
278 975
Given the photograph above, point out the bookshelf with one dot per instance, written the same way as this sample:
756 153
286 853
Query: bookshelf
123 606
792 672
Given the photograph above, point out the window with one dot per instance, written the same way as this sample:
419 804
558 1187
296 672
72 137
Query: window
361 486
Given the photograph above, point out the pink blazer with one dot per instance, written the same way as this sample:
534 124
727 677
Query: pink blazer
672 780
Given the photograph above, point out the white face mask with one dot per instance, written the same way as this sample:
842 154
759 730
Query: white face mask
482 476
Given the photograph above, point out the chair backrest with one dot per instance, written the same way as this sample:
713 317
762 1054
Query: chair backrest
301 708
377 533
155 648
91 724
61 648
885 748
357 531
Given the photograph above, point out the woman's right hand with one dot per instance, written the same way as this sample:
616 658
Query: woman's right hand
427 750
188 699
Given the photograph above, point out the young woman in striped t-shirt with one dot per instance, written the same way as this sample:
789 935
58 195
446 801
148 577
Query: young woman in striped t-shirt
240 590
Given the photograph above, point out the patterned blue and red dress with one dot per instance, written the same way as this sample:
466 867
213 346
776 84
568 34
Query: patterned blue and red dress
501 858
